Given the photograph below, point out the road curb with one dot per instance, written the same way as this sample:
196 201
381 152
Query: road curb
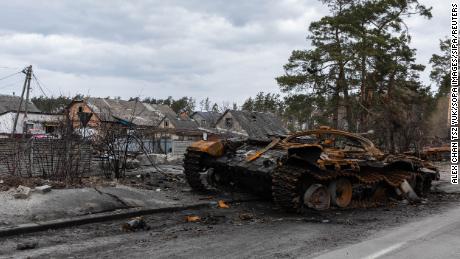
93 218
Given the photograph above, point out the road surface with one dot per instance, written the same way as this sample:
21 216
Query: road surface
433 237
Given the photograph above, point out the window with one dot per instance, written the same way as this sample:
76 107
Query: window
203 122
50 129
228 122
29 126
80 109
166 123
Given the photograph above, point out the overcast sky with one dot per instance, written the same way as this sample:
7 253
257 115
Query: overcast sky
227 50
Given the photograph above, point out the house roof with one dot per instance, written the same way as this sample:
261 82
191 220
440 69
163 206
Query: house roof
138 113
210 117
258 125
10 103
182 123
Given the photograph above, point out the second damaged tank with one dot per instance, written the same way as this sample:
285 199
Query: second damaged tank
312 169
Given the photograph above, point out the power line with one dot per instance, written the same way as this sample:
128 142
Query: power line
3 67
10 85
39 85
8 76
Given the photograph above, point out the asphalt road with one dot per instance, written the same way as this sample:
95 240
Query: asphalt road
430 229
223 233
433 237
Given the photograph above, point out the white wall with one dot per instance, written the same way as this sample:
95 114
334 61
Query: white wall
38 119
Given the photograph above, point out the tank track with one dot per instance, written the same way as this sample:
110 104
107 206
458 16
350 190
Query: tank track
193 168
287 185
285 188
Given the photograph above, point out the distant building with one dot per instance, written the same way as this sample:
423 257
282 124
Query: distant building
257 125
36 122
206 119
178 123
130 113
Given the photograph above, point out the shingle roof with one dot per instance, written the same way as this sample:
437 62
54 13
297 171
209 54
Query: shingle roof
181 123
138 113
259 125
10 103
210 117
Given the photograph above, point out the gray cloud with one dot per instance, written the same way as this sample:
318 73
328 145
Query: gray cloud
227 50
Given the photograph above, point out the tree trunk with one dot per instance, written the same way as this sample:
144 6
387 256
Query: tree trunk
363 97
335 113
344 87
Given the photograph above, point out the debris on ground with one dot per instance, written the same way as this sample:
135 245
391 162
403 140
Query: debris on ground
149 159
192 218
137 223
132 163
246 216
43 189
22 192
213 219
406 190
222 205
27 245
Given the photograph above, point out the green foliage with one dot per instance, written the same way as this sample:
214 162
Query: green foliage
359 69
262 102
440 74
53 104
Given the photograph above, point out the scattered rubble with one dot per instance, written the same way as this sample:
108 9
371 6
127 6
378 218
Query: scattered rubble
246 216
43 189
132 163
22 192
192 218
134 224
222 205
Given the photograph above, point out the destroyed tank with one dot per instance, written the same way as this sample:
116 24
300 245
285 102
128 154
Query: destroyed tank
314 169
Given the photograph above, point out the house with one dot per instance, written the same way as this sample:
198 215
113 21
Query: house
35 123
176 133
256 125
114 111
206 119
178 123
181 127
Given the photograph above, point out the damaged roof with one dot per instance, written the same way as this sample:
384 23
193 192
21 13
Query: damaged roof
10 103
210 117
259 125
182 123
138 113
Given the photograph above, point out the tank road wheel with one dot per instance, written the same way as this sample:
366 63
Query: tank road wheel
317 197
341 192
423 185
379 194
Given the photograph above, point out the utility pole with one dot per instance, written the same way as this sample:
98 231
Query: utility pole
25 88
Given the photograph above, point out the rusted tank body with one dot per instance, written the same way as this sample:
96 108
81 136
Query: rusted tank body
313 169
441 153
